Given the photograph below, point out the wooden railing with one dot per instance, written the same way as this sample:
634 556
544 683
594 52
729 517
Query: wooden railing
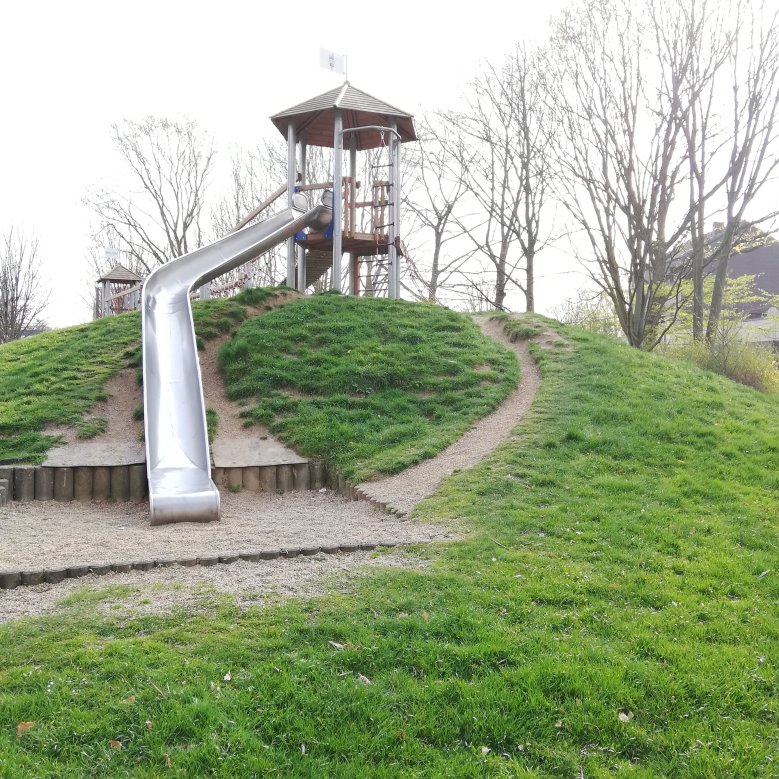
378 204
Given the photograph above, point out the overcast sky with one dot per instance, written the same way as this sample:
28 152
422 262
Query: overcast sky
70 69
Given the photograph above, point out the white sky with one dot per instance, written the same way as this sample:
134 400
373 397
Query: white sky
70 69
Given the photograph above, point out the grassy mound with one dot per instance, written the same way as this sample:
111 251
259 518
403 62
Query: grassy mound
371 386
55 378
613 613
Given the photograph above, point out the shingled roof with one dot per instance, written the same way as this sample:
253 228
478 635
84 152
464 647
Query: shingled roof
121 275
315 117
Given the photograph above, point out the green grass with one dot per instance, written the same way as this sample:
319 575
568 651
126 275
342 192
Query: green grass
56 377
371 386
212 423
621 565
92 426
523 328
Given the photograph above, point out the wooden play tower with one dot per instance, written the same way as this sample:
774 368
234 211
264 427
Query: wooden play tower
366 220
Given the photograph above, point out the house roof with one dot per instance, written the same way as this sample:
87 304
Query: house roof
763 263
756 253
120 274
316 117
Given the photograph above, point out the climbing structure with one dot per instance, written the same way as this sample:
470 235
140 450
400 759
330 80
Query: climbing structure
366 215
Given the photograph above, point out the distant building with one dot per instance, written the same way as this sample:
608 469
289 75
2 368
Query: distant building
756 253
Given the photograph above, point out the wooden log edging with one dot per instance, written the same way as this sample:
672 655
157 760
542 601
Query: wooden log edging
9 580
128 483
342 486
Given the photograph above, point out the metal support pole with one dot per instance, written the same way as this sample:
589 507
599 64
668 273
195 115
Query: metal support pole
291 177
301 252
396 196
392 255
338 217
354 266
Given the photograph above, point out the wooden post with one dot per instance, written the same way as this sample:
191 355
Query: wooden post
355 273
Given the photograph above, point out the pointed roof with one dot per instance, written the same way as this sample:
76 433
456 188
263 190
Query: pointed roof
122 275
316 117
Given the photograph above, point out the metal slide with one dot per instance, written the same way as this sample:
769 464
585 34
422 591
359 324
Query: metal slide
178 463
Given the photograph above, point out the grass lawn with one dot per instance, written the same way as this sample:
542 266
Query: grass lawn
369 385
612 613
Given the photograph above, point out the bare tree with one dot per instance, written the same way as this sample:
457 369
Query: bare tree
708 48
22 294
255 175
500 153
160 218
650 149
746 66
431 197
621 156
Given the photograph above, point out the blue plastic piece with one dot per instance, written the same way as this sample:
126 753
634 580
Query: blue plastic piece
327 234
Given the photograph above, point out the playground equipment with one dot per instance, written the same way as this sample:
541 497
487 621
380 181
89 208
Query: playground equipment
117 291
178 462
347 118
368 230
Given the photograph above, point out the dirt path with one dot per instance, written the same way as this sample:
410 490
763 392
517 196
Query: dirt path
404 490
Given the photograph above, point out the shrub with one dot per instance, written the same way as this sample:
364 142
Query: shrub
747 363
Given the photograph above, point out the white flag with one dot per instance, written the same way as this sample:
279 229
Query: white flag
332 61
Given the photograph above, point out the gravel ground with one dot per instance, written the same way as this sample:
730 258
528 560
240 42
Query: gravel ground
39 535
404 490
162 590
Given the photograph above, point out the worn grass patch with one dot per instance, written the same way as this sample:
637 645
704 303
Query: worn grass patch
371 386
524 327
92 426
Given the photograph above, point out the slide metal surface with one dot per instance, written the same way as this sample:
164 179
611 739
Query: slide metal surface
178 462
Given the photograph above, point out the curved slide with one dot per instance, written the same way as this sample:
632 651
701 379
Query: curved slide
178 463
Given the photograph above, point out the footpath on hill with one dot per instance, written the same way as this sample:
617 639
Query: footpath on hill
40 535
404 490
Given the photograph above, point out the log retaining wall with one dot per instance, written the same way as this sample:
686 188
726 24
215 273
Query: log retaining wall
128 483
